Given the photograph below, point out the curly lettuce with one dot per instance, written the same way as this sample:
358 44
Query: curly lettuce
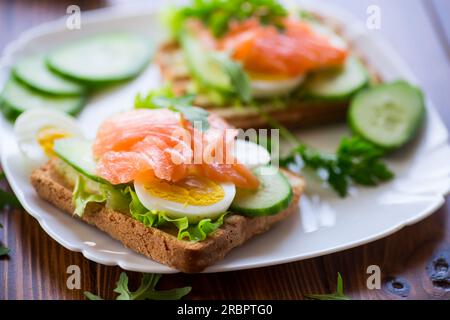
83 194
125 200
155 218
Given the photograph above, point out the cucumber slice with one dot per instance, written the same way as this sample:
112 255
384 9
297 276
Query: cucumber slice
339 83
34 72
17 98
273 195
388 115
77 153
214 69
102 59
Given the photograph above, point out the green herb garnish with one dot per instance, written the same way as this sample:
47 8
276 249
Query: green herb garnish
146 290
218 14
338 295
355 161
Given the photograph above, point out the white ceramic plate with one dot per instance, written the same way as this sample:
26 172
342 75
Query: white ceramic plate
325 223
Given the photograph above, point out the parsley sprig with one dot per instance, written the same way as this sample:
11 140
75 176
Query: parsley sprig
7 198
338 295
217 14
146 290
356 161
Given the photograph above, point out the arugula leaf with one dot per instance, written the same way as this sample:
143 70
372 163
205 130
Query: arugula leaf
218 14
81 197
164 98
91 296
338 295
146 290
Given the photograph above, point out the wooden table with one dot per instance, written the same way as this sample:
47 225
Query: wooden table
420 31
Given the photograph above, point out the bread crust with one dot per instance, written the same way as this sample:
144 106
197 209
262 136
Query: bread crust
157 244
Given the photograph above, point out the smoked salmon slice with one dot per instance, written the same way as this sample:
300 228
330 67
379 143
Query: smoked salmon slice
161 143
266 50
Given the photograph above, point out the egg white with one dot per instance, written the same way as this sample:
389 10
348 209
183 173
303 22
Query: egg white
28 125
250 154
265 88
179 210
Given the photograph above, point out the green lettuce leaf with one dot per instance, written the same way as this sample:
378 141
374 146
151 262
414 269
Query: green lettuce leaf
127 201
81 197
155 218
116 199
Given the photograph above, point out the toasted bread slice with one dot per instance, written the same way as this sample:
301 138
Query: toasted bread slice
158 244
170 61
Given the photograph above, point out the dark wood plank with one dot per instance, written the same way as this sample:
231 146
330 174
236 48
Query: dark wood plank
37 266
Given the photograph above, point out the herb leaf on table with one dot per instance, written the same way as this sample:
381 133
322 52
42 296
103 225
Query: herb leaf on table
338 295
146 290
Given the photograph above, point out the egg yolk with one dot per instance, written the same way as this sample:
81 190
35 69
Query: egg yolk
47 136
193 191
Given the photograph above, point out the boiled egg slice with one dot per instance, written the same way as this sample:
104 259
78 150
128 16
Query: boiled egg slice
250 154
266 87
36 131
194 197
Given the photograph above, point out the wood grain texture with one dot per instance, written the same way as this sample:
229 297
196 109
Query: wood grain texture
37 266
